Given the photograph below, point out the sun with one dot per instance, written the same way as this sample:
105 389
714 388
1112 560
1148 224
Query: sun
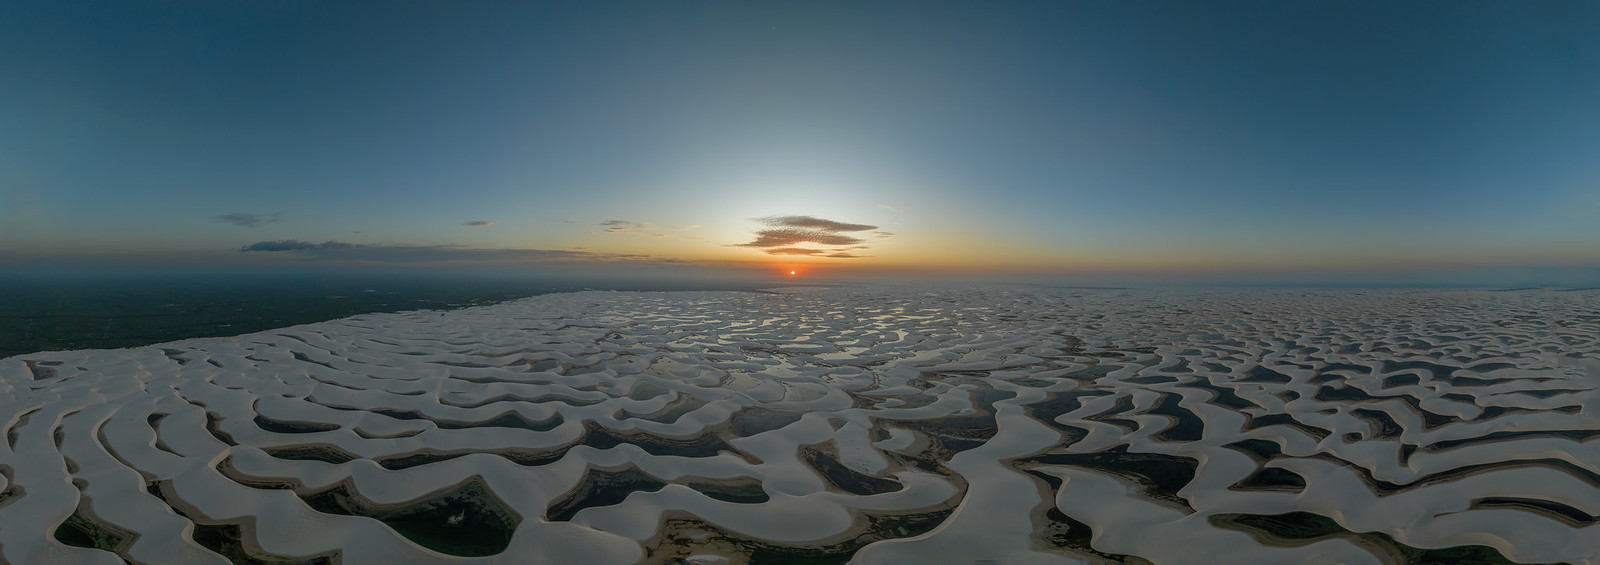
793 273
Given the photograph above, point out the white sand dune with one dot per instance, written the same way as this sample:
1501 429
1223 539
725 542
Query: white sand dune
996 424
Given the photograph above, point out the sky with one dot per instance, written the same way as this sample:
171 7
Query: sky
1252 141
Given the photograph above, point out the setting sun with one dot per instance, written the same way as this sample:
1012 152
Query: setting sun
792 273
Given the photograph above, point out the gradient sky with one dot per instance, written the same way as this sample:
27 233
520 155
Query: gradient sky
1299 139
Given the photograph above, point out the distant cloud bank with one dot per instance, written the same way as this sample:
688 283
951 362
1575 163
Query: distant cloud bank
249 220
479 223
784 232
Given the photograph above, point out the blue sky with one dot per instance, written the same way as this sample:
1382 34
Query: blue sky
1250 139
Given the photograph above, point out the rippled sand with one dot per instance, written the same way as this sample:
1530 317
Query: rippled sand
1013 425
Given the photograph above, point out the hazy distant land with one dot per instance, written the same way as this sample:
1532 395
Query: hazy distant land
1010 424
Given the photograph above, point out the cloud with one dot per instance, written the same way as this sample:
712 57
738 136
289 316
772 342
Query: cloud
624 226
295 245
788 231
452 253
337 251
808 222
793 251
249 220
891 208
812 252
788 236
479 223
882 234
